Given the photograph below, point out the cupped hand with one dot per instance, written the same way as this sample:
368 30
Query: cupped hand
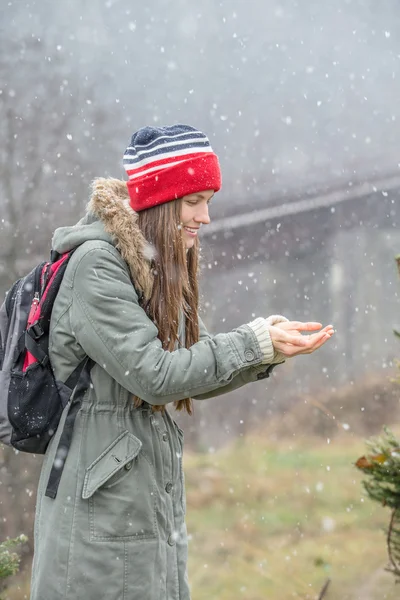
287 337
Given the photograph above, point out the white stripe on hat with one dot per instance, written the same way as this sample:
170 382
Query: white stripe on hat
171 144
154 159
152 169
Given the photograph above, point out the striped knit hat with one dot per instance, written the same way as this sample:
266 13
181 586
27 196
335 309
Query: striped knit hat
166 163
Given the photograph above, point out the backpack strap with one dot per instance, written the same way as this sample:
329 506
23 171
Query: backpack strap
31 335
54 256
79 381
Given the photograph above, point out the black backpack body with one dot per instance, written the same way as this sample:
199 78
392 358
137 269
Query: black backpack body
32 400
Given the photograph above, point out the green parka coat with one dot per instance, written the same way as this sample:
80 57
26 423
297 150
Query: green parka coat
116 528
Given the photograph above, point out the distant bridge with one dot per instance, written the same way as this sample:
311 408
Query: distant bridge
330 199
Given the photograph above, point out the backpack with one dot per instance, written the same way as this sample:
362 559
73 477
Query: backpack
32 400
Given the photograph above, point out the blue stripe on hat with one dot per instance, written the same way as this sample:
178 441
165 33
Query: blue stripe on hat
164 139
134 158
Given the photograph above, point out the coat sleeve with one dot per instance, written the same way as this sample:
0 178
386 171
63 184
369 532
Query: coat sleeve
248 375
116 333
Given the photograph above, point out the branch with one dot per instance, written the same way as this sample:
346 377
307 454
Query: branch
51 147
10 160
324 589
392 544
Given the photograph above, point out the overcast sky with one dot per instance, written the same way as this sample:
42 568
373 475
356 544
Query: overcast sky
290 92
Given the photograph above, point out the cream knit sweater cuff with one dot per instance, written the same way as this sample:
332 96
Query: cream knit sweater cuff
261 326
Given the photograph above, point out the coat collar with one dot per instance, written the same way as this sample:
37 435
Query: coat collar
109 203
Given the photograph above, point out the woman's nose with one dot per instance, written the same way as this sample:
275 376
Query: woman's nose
203 216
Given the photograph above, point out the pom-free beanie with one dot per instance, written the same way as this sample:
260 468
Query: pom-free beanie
166 163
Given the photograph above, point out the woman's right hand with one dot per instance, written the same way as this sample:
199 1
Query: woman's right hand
288 340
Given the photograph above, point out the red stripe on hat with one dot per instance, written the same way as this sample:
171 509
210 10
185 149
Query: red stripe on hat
165 161
194 174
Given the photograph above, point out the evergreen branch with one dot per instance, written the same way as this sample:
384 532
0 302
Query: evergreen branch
381 466
9 561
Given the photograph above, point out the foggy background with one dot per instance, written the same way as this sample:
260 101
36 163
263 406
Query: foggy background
301 102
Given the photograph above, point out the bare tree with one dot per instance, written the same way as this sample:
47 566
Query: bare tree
49 151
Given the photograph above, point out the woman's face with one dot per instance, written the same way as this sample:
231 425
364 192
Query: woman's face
194 213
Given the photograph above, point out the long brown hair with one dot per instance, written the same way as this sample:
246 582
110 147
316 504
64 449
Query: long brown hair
175 293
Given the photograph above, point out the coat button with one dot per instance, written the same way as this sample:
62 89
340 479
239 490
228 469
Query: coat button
172 539
128 466
249 355
168 487
165 436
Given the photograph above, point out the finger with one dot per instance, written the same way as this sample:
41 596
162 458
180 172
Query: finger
316 343
315 337
321 342
328 328
278 336
299 326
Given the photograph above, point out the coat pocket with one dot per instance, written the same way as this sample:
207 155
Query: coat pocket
120 487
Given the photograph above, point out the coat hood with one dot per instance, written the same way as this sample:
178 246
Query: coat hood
109 218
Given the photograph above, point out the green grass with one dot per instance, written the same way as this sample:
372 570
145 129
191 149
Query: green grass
277 520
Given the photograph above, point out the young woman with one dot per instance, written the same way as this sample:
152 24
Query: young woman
113 527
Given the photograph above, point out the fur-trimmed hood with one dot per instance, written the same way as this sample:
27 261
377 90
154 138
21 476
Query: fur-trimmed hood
110 218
